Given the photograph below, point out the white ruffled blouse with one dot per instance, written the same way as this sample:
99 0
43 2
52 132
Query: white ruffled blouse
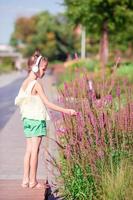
31 106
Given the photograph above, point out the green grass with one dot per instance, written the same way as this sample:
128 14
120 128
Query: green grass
117 186
6 65
5 68
78 186
126 70
67 76
70 72
90 65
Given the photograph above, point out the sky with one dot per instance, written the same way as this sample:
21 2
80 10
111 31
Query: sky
10 10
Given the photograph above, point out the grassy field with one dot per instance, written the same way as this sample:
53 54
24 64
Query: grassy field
6 65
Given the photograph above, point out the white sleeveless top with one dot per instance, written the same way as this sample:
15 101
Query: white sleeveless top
31 106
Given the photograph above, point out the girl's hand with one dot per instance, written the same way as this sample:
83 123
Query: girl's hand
70 112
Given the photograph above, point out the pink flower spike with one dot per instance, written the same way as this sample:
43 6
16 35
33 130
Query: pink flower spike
65 86
61 131
76 56
90 84
108 99
118 60
100 154
67 151
118 91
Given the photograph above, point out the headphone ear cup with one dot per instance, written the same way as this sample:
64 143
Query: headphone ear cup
35 68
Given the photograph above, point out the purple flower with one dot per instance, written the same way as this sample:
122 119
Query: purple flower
99 103
100 154
60 99
65 86
68 151
94 124
92 95
76 56
80 125
118 91
90 85
108 99
101 120
61 131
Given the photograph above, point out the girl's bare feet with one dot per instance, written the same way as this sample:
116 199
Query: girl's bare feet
25 184
36 185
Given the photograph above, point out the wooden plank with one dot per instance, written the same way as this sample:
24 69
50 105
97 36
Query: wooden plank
12 190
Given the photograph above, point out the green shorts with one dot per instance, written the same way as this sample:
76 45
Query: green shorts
34 128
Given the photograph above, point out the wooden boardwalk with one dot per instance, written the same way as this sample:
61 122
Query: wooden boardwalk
12 190
12 147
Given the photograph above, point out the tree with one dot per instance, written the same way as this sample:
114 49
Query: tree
53 35
24 27
104 17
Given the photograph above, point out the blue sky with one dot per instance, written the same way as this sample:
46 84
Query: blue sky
12 9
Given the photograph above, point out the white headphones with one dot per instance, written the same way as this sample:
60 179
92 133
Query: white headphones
35 67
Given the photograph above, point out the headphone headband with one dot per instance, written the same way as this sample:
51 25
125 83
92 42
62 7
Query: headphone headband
38 60
35 67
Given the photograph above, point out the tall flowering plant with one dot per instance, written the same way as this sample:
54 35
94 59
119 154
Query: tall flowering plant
99 136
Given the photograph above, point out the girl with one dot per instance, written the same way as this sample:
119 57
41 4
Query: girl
32 101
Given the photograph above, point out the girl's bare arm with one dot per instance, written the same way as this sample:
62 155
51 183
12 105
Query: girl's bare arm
50 105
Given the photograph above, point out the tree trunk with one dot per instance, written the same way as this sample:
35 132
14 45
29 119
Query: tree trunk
104 51
104 48
83 42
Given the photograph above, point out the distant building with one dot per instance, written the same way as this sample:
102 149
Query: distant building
6 48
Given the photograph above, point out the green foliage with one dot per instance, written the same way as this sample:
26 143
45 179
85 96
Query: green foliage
51 34
94 13
115 186
6 65
90 65
77 67
115 176
97 142
78 186
67 76
126 70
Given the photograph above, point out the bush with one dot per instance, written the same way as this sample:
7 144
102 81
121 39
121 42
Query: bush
6 65
97 141
76 68
126 70
90 65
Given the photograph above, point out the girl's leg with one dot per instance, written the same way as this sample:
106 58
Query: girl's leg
36 141
27 160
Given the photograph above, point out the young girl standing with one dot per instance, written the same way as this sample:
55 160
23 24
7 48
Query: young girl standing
32 101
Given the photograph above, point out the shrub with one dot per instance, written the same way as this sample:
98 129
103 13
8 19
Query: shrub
6 65
96 141
126 70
